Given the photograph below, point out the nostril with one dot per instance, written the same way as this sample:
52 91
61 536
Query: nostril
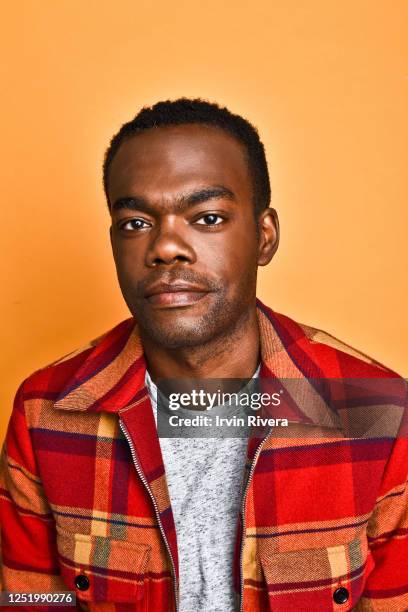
168 250
159 261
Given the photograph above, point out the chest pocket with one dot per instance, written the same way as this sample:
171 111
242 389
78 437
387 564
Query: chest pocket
101 569
318 579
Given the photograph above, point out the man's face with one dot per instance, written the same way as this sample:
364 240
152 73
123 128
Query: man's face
183 233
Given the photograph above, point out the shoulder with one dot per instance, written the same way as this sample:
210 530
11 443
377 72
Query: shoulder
316 349
52 377
345 351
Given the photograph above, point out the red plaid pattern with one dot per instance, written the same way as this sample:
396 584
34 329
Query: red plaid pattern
83 489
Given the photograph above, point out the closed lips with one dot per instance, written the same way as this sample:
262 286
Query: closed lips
175 295
173 288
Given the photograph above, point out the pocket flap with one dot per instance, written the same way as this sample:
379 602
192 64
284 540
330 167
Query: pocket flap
99 568
310 579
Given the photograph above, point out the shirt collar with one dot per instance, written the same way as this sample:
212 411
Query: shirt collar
112 377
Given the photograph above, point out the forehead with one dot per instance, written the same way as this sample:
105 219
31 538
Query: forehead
178 157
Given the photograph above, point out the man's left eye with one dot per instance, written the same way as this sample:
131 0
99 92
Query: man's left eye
210 220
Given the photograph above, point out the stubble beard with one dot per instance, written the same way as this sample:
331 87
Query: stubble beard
225 315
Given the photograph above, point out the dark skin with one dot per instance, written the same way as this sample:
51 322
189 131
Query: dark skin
186 248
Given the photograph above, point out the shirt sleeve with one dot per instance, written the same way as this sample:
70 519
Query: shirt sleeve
29 557
387 584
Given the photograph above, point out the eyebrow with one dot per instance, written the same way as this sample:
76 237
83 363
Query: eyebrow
182 201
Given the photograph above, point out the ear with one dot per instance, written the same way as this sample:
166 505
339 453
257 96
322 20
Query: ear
268 228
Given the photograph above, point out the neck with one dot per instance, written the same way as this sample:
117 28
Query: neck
233 356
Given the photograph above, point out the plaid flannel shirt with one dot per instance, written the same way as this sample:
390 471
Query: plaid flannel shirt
83 489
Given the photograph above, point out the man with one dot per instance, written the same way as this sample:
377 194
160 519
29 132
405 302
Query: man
94 502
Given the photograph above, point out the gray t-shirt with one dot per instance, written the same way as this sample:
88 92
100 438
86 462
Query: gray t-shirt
205 478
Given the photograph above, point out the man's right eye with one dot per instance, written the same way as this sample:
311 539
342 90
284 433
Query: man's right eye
134 224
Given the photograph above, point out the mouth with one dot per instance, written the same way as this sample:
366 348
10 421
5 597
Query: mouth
175 295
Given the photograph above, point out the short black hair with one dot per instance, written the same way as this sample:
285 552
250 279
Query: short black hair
186 111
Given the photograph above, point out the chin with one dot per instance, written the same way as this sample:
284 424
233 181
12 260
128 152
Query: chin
177 328
180 338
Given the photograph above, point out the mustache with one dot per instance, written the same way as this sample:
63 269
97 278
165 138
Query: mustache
187 276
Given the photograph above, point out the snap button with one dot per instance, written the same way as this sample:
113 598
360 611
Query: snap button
341 595
82 582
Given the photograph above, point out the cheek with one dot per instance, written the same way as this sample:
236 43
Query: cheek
128 261
231 258
241 247
128 250
243 257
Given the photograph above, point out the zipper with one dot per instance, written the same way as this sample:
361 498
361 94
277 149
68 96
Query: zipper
147 487
251 472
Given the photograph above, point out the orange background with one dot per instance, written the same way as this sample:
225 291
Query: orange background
325 82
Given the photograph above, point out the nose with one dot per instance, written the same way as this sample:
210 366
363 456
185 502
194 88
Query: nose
169 246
